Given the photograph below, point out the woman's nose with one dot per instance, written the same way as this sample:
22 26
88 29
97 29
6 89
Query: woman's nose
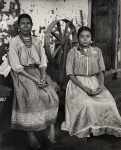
85 39
25 25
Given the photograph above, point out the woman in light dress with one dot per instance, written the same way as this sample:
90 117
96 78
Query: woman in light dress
90 107
35 104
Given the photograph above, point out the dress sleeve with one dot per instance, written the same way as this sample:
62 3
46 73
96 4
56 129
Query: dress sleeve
13 57
70 63
43 57
101 61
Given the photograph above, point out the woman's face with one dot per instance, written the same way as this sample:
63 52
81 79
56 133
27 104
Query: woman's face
25 26
85 38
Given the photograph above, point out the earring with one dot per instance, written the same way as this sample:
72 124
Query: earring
18 29
91 42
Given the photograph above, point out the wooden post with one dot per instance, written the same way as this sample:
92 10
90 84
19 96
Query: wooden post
89 12
117 39
117 35
120 29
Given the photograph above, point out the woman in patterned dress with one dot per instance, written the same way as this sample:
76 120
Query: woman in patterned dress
90 107
35 103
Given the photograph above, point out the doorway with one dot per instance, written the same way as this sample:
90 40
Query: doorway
104 24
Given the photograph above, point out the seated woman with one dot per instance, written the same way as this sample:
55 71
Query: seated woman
5 93
90 108
35 103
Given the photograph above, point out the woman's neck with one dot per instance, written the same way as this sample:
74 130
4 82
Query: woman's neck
25 34
84 47
26 39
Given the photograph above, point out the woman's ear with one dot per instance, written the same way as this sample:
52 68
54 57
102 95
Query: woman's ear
18 29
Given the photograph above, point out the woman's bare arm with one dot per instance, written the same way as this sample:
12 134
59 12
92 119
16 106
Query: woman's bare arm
100 78
23 72
41 83
79 84
43 73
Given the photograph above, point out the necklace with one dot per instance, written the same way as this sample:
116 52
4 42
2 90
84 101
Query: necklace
26 40
84 50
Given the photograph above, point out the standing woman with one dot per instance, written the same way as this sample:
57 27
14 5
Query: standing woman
90 108
35 103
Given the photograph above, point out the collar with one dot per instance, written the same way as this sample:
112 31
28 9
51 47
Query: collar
84 51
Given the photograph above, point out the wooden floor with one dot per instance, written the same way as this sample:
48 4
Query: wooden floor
14 140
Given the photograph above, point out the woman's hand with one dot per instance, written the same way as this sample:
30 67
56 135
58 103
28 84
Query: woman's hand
42 83
96 92
87 90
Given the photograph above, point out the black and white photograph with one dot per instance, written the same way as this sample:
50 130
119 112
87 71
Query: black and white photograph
60 75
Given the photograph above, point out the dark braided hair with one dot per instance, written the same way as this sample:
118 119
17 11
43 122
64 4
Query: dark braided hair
83 28
24 16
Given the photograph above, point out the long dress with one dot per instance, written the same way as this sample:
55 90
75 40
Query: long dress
84 114
34 108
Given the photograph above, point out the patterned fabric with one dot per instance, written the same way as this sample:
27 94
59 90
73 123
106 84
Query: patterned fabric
24 56
88 63
89 114
26 40
33 108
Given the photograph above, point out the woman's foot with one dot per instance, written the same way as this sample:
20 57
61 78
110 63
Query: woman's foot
84 140
33 141
43 139
51 135
34 148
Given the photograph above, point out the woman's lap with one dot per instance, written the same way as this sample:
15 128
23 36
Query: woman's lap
33 107
83 110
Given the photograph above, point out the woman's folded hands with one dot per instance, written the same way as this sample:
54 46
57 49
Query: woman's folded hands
42 83
93 92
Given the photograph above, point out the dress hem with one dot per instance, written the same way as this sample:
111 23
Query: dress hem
38 127
96 131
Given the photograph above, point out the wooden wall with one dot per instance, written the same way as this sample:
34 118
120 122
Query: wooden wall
44 12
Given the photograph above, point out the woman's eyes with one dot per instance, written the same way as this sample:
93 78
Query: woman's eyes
85 36
24 23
